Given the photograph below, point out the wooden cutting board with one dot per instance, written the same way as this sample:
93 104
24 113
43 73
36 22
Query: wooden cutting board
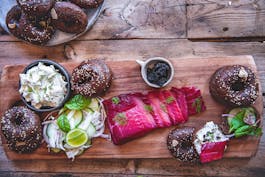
188 72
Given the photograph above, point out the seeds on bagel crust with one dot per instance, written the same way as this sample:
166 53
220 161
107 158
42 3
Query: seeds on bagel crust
69 17
29 29
22 129
180 144
87 3
36 8
91 78
234 85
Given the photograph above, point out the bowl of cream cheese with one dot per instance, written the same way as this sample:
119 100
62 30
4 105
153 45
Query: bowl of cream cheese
44 85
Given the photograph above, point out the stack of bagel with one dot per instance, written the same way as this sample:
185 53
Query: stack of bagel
36 21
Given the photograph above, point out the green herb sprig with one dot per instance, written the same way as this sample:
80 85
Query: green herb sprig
78 102
197 104
239 127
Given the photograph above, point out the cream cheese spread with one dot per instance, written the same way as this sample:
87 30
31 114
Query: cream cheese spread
209 133
43 86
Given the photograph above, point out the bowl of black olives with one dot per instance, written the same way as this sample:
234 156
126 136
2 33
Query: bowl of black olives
157 72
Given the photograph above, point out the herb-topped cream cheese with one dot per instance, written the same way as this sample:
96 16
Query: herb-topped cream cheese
209 133
43 86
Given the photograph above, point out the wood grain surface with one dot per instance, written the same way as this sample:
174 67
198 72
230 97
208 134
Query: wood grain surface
193 19
226 19
142 41
126 79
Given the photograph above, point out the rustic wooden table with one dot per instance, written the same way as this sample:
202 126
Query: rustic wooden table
139 29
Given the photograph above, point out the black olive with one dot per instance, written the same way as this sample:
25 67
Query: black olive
159 73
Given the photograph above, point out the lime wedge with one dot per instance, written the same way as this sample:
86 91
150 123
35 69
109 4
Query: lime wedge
76 137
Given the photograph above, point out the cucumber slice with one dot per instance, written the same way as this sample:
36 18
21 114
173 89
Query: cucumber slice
51 132
87 117
233 112
94 105
91 131
75 117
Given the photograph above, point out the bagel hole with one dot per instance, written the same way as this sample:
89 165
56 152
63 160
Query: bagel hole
18 118
186 144
84 80
237 86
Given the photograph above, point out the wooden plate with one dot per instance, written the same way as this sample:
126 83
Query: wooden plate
59 37
188 72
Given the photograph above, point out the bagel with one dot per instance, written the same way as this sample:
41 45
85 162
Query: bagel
31 30
36 8
180 144
22 129
91 78
234 85
68 17
87 3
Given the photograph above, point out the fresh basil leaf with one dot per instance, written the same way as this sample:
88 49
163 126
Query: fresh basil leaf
237 121
63 123
242 131
256 132
78 102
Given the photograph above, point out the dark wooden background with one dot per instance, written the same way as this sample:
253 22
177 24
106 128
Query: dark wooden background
139 29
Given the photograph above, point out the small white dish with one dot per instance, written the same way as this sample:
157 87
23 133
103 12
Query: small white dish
145 64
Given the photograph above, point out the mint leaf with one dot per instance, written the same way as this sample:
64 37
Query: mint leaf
78 102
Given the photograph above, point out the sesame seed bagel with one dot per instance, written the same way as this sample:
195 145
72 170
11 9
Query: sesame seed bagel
180 144
12 20
26 146
36 8
68 17
87 3
91 78
33 30
234 85
22 129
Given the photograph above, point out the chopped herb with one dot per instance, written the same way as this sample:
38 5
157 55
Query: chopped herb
115 100
211 135
120 118
163 107
197 104
148 108
170 99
